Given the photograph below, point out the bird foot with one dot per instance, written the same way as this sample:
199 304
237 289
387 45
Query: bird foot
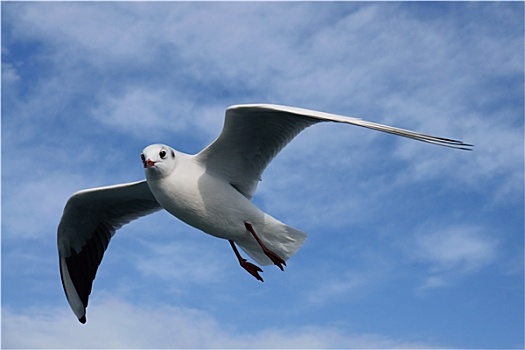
276 259
251 268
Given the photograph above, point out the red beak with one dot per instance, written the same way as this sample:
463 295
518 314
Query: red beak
149 163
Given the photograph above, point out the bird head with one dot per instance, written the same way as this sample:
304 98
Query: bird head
157 158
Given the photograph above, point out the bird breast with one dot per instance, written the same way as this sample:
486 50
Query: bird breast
205 201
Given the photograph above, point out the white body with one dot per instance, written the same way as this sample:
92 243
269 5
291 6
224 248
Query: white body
209 203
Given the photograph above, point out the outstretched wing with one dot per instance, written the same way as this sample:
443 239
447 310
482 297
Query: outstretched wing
90 219
253 135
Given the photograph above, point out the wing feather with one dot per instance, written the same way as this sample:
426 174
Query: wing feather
252 136
91 217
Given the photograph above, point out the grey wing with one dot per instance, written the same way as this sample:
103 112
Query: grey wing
253 135
90 219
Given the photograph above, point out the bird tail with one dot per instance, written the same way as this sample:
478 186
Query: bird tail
281 239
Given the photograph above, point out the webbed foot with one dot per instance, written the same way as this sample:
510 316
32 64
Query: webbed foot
248 266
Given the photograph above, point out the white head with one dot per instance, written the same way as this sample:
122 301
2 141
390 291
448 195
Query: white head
158 159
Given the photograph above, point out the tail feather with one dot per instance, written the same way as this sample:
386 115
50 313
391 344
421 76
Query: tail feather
281 239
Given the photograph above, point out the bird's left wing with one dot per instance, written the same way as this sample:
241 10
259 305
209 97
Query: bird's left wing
253 135
90 219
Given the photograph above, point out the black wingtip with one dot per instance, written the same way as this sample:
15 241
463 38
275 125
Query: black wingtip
464 146
82 319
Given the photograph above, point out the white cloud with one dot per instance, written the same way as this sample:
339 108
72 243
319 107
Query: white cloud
9 74
84 30
118 324
458 247
184 262
498 153
453 252
309 63
36 188
154 114
140 111
36 206
346 285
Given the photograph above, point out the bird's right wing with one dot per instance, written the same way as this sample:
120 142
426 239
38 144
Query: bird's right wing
252 136
90 219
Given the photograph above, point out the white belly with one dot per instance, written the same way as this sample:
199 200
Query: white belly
207 203
212 205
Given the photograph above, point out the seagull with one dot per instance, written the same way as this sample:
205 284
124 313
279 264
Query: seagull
211 191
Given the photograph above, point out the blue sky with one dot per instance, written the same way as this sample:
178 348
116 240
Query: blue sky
410 245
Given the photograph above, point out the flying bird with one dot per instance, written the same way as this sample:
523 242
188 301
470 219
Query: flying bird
211 191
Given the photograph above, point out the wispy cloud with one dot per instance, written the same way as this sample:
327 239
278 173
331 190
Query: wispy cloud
220 62
183 262
40 199
123 325
453 252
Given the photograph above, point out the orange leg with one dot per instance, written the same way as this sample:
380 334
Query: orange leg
251 268
276 259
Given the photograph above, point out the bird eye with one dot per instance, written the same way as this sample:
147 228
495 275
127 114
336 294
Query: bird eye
162 154
142 157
